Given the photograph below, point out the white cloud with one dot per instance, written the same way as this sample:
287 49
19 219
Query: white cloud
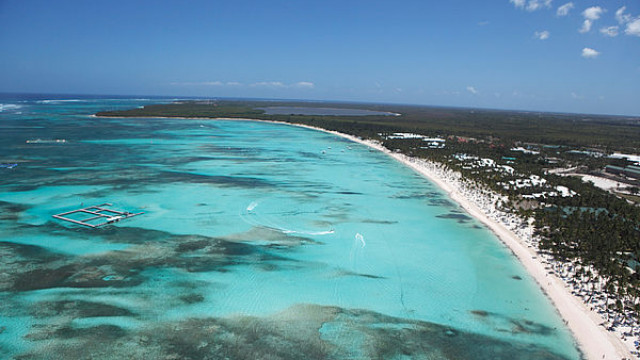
621 16
590 15
611 31
534 5
281 85
576 96
271 84
304 85
564 9
518 3
542 35
632 24
472 90
633 27
593 13
586 26
589 53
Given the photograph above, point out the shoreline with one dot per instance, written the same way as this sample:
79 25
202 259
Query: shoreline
582 322
593 340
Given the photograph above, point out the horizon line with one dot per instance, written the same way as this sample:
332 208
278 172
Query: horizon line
362 102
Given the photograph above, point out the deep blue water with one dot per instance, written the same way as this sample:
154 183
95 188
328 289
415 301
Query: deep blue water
257 240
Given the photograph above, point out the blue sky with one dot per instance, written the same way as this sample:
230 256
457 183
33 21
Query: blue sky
508 54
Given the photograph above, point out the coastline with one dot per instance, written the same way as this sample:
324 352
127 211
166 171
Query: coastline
593 340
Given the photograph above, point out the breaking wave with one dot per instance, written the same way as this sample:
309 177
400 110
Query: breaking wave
9 107
59 101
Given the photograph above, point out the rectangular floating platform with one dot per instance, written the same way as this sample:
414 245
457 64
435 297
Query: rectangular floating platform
95 216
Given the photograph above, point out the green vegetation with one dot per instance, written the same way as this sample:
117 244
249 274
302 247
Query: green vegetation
621 133
594 230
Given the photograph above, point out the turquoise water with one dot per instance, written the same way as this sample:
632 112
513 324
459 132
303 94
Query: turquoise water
258 241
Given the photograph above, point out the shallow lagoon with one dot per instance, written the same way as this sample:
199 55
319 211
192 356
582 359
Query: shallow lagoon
257 240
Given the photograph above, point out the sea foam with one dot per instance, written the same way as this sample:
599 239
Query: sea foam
9 107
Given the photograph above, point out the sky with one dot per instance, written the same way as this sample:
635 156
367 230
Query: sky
539 55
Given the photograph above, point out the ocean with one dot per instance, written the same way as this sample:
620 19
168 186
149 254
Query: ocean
257 240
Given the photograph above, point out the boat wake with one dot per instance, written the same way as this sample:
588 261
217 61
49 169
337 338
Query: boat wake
360 238
250 216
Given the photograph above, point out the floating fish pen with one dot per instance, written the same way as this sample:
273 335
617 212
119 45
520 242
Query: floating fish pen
95 216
